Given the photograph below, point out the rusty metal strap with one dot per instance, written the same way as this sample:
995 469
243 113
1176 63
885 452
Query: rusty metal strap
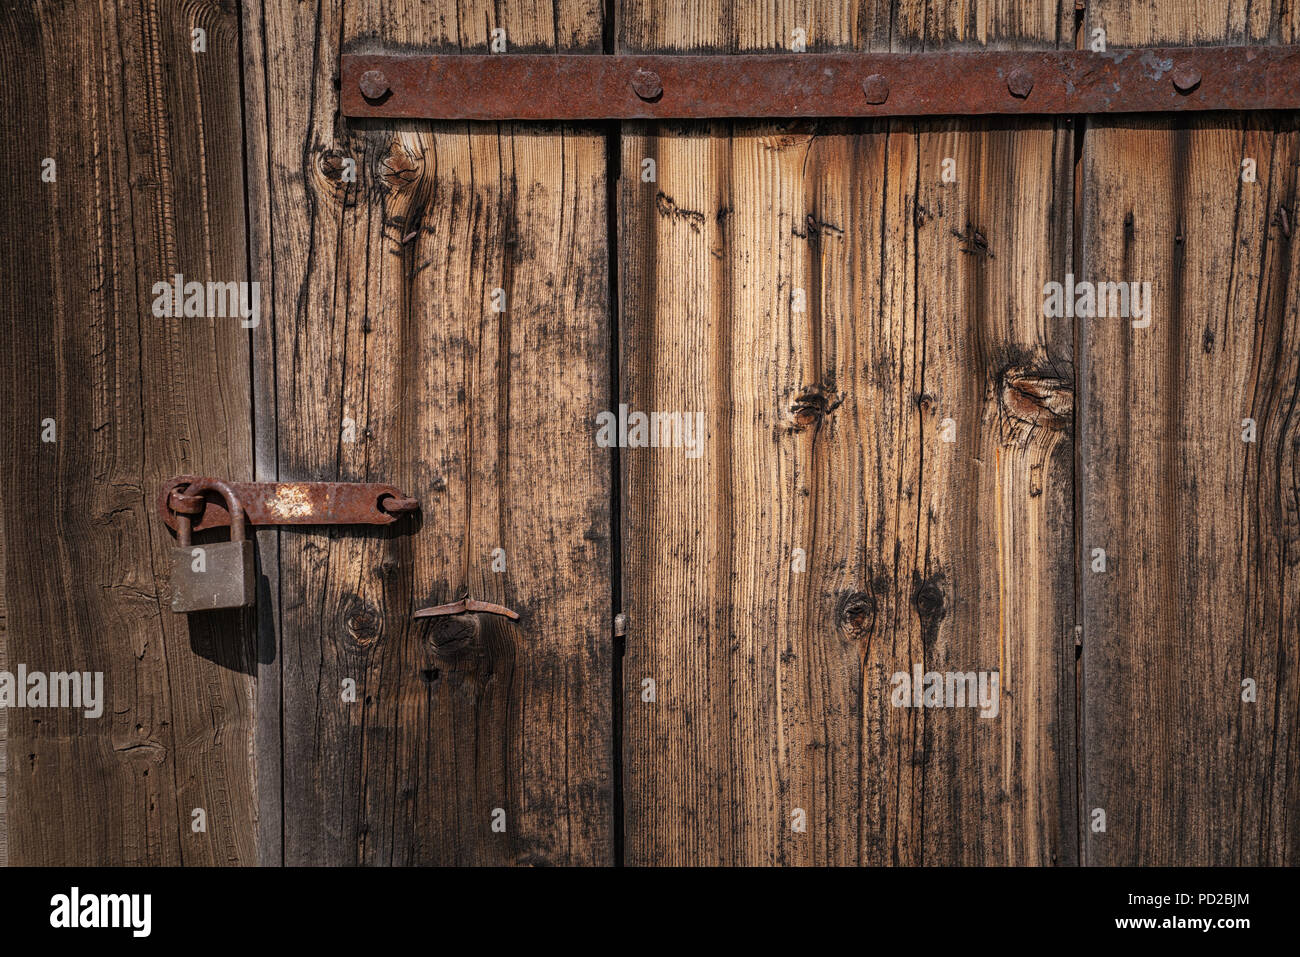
547 87
286 503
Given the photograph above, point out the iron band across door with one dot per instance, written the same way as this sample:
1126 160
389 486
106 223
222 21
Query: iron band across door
284 503
625 87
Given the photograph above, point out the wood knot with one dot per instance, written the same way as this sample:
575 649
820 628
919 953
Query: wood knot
1032 400
400 167
928 600
362 621
812 404
856 614
454 636
331 165
335 176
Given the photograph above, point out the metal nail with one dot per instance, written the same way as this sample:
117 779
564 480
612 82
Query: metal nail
373 84
1186 79
466 606
1020 82
647 84
876 89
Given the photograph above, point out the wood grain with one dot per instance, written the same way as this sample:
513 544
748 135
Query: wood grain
4 713
382 315
149 183
380 357
1199 526
825 433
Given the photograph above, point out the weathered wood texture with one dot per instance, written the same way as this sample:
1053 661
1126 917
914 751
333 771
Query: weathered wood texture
1201 529
382 295
825 432
149 183
4 713
833 308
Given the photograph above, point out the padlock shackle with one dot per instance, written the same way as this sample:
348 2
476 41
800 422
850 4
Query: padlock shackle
233 506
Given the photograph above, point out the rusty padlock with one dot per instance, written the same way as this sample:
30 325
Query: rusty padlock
220 575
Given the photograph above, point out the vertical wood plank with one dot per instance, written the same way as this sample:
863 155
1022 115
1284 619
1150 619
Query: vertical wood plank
149 183
825 433
4 714
383 293
1199 527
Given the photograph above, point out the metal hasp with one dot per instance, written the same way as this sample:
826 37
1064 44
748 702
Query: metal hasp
593 87
283 503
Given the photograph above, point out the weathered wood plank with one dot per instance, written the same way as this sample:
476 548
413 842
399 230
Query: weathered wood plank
1199 527
4 713
149 184
383 293
825 432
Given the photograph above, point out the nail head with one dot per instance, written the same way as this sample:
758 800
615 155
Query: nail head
373 84
1186 79
1019 83
876 89
647 84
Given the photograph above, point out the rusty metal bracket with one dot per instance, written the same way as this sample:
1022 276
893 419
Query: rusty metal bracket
285 503
464 606
625 87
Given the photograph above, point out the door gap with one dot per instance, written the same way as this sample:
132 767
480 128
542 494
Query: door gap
1080 416
613 167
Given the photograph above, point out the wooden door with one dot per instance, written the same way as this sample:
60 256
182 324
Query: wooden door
894 459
